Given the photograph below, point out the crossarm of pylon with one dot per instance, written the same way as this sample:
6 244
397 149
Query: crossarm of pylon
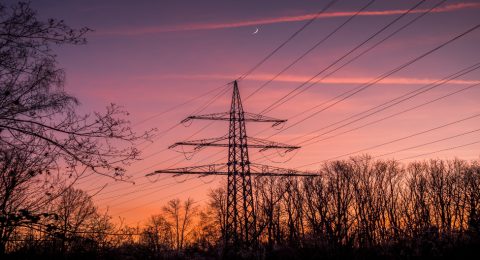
252 143
258 170
249 117
215 116
202 142
267 170
210 169
266 144
261 118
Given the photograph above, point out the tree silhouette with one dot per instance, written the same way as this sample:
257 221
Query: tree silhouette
36 110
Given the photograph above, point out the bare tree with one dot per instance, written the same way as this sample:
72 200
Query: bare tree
206 233
471 182
317 210
292 204
75 211
36 110
181 218
340 201
218 206
26 186
269 193
158 235
100 228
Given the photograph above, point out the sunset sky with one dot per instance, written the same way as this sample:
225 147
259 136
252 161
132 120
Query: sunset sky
150 56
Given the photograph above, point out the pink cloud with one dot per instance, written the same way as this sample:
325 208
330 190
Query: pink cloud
302 78
273 20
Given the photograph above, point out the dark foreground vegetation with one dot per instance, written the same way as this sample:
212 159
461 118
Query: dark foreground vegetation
358 208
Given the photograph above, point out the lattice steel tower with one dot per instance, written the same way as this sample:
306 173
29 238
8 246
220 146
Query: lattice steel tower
240 226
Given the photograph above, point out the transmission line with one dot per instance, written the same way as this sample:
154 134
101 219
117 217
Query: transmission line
424 13
177 106
395 114
397 101
361 54
414 60
353 59
288 39
311 49
156 200
243 76
383 76
442 150
282 99
219 152
432 142
395 140
403 97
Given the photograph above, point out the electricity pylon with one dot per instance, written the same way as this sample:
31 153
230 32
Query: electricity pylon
240 226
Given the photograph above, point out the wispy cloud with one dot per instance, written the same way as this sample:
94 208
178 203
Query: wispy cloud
302 78
272 20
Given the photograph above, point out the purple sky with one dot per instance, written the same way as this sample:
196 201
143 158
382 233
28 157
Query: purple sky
151 55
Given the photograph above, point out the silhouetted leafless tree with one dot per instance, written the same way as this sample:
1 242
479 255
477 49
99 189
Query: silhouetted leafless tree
75 211
26 187
180 216
158 235
36 111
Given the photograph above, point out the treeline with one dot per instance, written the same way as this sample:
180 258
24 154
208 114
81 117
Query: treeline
373 208
357 208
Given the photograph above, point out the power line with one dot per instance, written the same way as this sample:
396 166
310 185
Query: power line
448 124
386 105
414 60
442 150
163 133
156 200
288 40
283 99
155 153
221 151
311 49
202 108
243 76
395 114
352 60
146 194
108 200
177 106
432 142
404 97
362 53
396 140
365 52
398 99
384 75
390 116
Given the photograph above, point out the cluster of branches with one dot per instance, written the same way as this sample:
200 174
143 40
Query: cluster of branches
71 225
38 116
359 208
382 207
45 144
75 228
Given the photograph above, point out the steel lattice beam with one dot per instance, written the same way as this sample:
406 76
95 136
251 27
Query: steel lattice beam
225 116
258 170
252 143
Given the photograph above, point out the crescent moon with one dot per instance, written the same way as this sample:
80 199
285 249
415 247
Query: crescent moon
256 31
